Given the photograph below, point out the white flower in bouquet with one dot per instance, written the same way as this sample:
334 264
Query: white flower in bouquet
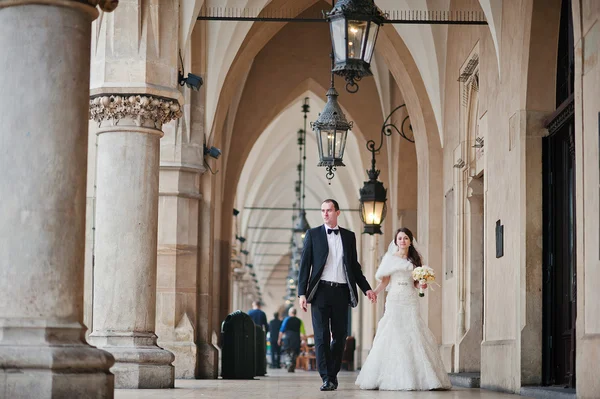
424 275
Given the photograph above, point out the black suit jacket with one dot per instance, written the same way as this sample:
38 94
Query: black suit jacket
314 257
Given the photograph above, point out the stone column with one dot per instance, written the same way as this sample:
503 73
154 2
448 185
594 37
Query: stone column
178 274
467 354
44 89
207 297
126 236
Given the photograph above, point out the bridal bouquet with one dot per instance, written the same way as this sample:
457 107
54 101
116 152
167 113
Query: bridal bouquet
424 275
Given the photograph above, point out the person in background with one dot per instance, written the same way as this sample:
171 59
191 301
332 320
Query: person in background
274 327
258 316
291 334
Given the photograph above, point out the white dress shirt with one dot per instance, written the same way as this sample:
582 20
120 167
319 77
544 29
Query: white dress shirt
334 267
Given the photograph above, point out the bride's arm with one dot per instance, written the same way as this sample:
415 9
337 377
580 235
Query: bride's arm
384 282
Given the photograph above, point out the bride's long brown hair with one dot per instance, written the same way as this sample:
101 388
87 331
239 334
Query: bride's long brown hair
413 255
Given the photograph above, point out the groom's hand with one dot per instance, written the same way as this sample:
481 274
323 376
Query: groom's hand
303 304
372 296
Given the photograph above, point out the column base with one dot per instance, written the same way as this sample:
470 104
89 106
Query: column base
136 376
139 362
24 384
186 358
50 359
208 356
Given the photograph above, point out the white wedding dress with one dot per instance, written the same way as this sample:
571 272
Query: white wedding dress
404 355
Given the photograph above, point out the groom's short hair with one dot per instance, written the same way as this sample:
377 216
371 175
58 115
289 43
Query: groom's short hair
336 206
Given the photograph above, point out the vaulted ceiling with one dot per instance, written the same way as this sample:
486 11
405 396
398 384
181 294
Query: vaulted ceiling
269 171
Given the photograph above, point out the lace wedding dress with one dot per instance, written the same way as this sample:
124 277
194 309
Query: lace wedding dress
404 356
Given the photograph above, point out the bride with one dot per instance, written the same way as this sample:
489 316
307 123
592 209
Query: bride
404 356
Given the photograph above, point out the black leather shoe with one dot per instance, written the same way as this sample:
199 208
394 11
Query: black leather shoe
334 382
327 386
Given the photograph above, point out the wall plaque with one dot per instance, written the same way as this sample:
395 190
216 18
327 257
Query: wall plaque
499 239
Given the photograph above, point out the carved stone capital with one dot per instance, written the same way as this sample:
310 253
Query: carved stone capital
142 110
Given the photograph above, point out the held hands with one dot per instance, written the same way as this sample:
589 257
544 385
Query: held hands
372 296
303 303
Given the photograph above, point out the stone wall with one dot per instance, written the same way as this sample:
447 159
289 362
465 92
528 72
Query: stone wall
587 104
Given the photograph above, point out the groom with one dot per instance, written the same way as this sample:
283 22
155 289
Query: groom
329 272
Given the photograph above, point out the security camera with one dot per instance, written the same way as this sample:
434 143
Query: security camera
212 152
192 81
235 212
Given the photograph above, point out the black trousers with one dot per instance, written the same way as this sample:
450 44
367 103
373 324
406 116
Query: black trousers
275 355
329 309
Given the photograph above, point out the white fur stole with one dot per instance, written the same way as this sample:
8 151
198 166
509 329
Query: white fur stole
391 264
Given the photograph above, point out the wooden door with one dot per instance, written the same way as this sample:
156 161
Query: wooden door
559 252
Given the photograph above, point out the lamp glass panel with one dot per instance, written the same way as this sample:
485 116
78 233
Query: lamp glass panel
356 36
328 140
372 211
371 42
320 144
338 39
340 143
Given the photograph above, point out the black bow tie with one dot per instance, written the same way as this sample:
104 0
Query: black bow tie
336 231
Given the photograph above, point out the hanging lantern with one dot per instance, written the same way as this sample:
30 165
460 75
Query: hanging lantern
331 129
373 202
300 230
354 25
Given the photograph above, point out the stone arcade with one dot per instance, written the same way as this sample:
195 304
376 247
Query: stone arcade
117 229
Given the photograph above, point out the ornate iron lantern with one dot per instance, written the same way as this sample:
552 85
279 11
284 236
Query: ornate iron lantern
331 129
354 25
300 231
373 195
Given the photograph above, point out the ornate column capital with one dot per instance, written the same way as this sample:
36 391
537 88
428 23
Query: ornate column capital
141 109
105 5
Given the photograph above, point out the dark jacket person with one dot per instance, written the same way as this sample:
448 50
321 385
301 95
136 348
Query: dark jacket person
329 273
258 316
274 327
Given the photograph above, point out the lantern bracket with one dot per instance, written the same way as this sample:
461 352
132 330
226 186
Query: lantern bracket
388 128
403 17
373 190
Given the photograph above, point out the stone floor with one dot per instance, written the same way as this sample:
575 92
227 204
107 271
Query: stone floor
282 385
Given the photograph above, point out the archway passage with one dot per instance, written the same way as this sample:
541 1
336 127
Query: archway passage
560 281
